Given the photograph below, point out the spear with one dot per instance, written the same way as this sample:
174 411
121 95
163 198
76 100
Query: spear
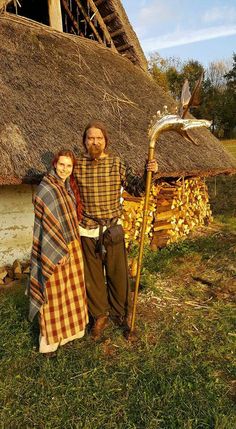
161 124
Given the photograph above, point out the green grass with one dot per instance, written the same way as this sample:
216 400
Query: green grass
179 374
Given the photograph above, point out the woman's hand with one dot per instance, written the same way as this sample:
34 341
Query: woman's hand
152 166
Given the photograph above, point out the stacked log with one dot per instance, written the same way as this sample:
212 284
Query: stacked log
191 206
9 273
175 209
132 216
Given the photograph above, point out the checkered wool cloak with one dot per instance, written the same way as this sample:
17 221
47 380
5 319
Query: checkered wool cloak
55 226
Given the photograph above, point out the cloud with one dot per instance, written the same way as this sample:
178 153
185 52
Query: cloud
156 14
160 11
186 37
219 14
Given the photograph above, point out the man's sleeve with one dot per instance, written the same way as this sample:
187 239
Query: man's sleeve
134 185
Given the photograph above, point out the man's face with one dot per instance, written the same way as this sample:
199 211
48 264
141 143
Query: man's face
95 143
64 167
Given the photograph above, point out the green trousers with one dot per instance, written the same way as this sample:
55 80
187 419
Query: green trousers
107 282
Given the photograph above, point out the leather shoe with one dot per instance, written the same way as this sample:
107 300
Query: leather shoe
123 321
99 326
127 321
50 355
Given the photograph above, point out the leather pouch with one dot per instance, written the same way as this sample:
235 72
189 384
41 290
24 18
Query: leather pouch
114 234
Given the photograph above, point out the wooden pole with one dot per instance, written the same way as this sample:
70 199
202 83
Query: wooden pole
142 237
55 16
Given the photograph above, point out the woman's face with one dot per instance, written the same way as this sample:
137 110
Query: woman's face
64 167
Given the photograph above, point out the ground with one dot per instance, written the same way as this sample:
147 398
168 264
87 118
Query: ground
177 372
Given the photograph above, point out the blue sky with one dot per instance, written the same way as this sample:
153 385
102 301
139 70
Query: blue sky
204 30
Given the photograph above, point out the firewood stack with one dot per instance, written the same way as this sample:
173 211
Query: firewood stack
133 214
9 273
175 209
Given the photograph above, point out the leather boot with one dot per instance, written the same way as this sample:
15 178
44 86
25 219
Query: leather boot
127 321
99 326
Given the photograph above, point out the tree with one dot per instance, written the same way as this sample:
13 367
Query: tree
174 72
218 93
231 76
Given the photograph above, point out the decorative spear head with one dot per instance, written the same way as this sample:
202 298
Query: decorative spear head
168 122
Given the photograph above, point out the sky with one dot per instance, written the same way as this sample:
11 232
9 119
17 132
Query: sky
203 30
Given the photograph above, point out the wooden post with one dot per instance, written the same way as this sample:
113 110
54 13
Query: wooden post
55 16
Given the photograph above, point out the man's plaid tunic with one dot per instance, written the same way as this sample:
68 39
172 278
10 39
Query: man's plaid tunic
100 183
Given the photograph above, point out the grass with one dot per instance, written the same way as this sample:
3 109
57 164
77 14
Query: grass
230 145
179 374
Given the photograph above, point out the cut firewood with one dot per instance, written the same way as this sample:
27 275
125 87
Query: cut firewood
175 209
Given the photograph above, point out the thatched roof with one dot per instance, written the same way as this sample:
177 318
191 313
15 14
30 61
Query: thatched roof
4 3
52 84
116 20
126 41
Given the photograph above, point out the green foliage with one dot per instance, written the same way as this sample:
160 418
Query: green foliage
231 76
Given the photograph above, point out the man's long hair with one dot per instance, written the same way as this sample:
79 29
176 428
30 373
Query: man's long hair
96 124
73 184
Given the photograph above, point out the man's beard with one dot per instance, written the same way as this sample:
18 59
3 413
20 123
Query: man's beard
95 152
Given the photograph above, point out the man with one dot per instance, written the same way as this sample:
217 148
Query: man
100 177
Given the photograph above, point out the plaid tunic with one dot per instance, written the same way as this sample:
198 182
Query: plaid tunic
100 183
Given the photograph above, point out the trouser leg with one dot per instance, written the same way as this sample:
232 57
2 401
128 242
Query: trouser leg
98 304
117 279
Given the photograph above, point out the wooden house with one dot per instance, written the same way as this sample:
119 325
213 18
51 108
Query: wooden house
53 83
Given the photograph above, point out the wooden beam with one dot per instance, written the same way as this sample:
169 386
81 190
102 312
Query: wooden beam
89 21
123 48
54 12
110 17
117 32
101 23
98 2
71 16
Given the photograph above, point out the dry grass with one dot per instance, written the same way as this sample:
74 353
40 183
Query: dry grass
230 145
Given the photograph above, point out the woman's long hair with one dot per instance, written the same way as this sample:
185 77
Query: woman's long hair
73 184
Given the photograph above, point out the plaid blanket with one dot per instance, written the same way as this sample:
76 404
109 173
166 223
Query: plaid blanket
55 226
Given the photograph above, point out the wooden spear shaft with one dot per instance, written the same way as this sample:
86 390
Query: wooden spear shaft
142 237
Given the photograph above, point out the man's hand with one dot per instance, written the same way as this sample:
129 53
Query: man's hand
152 166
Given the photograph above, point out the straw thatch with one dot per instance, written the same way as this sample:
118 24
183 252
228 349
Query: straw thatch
4 3
53 83
128 36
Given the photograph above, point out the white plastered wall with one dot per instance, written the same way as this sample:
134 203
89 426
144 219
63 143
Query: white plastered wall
16 223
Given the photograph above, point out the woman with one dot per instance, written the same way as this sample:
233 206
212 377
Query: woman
57 289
